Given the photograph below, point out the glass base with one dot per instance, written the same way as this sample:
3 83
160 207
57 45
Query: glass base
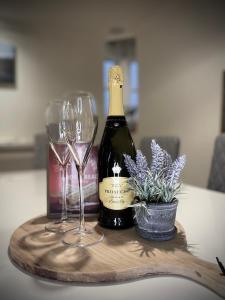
61 226
85 238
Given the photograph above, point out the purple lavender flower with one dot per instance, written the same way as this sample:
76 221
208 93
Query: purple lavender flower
158 182
142 166
158 157
175 169
167 161
140 169
130 165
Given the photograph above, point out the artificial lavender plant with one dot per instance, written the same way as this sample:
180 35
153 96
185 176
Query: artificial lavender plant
157 183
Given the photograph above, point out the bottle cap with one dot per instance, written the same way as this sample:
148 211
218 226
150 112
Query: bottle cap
116 76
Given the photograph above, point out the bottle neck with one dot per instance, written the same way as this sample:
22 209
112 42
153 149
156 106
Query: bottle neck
116 101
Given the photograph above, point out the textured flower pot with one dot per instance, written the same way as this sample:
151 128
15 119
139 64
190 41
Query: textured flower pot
157 222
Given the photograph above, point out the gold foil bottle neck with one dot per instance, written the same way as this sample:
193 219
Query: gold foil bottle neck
116 76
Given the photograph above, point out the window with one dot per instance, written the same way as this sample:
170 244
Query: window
122 52
7 64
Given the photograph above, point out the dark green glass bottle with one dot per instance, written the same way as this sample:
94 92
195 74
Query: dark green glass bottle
114 193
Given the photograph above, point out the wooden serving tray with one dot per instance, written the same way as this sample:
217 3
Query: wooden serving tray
122 255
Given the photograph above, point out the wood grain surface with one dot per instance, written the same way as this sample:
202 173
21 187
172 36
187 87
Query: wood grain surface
122 255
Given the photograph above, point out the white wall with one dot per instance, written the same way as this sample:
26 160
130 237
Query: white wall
182 56
181 51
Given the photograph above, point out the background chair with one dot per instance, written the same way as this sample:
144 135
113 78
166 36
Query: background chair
169 143
216 180
40 151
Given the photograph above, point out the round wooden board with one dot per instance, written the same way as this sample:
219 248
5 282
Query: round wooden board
122 255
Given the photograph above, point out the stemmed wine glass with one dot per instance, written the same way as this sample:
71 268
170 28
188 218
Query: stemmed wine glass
80 125
57 142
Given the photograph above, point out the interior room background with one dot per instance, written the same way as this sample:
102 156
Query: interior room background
180 49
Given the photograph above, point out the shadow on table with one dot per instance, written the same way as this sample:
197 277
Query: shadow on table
39 240
57 258
63 259
40 220
143 247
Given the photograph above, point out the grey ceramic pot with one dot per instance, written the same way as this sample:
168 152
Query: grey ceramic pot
157 223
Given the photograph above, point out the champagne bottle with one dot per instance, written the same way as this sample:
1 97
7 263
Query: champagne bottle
114 193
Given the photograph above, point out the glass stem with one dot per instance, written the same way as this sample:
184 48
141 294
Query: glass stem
64 203
80 179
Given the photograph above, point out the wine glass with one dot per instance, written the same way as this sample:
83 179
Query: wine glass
80 129
54 125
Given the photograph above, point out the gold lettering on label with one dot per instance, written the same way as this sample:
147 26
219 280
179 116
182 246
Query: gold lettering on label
115 193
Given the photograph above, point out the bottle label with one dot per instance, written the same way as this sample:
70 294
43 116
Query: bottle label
115 193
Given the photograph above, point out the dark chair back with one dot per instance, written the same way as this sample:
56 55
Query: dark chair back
40 151
216 180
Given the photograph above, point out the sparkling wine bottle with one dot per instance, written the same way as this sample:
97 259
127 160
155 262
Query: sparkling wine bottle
114 193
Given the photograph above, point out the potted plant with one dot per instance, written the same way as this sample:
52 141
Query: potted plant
155 188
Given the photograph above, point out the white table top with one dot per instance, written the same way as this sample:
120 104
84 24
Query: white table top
23 196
